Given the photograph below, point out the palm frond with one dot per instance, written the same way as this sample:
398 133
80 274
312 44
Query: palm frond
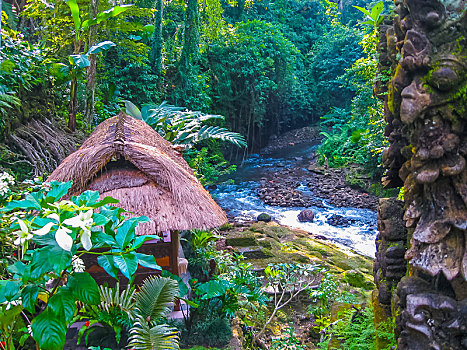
112 298
7 99
155 299
184 127
159 337
216 132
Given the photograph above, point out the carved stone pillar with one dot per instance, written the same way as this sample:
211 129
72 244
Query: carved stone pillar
426 111
390 265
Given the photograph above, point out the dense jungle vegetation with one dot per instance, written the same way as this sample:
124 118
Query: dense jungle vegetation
265 66
219 79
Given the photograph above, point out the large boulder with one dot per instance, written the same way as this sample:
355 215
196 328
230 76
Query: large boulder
264 217
306 215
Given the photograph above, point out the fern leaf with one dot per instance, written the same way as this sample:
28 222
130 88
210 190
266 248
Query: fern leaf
160 337
155 299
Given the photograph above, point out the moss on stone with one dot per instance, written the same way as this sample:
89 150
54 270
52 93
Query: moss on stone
357 279
245 239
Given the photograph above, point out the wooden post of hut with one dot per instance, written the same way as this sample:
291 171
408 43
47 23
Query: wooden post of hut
126 159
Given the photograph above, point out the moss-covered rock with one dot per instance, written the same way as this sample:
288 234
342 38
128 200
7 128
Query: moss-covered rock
281 244
264 217
244 239
357 279
254 252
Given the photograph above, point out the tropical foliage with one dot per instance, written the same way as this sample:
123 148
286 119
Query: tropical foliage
51 235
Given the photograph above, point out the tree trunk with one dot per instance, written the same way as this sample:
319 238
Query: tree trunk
91 70
156 50
190 50
73 106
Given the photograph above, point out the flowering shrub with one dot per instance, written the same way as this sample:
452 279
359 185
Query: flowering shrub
51 235
6 180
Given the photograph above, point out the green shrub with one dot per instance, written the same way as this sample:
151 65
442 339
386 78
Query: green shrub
356 331
210 332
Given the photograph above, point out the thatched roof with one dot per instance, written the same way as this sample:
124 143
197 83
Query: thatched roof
126 159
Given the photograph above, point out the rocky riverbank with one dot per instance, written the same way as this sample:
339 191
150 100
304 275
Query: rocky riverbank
270 243
305 183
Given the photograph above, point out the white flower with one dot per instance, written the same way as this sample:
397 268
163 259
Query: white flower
23 233
63 238
54 216
44 230
78 264
86 239
30 330
10 304
84 221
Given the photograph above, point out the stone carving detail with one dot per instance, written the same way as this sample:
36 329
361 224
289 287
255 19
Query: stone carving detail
428 319
426 112
390 265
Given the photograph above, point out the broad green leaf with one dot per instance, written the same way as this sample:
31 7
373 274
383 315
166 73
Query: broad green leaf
370 22
364 10
145 112
49 331
80 61
63 304
28 203
7 317
380 19
107 263
127 264
148 28
148 261
88 198
141 239
376 10
183 289
9 290
104 45
50 258
126 232
29 296
132 110
103 238
213 288
17 268
73 5
190 303
87 23
112 12
59 70
99 219
106 200
84 288
58 189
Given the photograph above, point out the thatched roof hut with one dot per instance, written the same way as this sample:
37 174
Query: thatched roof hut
126 159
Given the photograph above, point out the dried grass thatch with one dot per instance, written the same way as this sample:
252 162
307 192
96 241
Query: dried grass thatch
126 159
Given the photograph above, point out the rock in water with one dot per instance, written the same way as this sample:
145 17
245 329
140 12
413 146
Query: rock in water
306 215
337 220
264 217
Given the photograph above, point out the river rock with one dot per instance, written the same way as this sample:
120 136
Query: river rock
306 215
338 220
264 217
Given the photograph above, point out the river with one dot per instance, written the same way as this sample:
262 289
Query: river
238 197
